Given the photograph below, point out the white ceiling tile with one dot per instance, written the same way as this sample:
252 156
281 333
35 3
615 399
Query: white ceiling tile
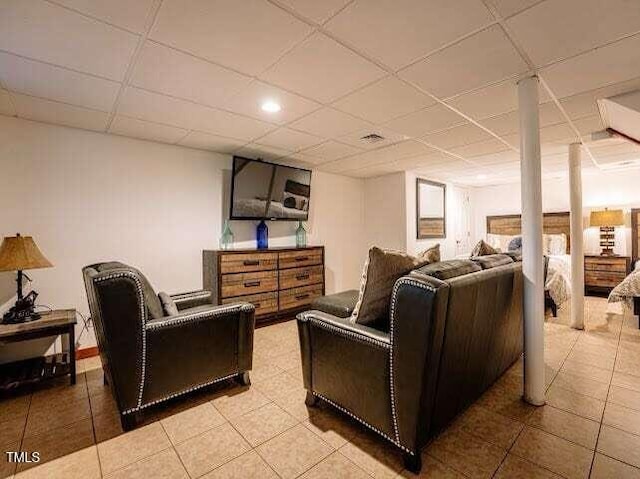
384 100
47 32
329 123
457 136
480 148
506 8
613 63
500 157
425 161
613 147
171 72
419 123
557 29
314 10
249 100
150 106
206 141
397 32
589 125
585 104
322 69
55 83
122 13
263 152
6 107
289 139
329 151
389 138
490 101
557 132
385 155
48 111
146 130
509 123
247 36
484 58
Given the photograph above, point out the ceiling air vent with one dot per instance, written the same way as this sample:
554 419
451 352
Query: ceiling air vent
372 138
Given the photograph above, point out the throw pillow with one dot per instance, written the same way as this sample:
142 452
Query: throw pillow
381 270
168 305
431 255
483 249
515 244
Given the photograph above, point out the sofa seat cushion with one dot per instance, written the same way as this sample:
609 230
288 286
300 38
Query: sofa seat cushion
444 270
492 260
339 304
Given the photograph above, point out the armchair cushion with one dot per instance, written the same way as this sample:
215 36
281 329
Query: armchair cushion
168 305
339 304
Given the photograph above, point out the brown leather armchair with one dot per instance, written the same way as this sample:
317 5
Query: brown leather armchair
455 327
149 357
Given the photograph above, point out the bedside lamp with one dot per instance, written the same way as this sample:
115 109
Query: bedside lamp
607 220
18 253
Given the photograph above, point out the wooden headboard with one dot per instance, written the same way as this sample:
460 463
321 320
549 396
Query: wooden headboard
635 234
552 223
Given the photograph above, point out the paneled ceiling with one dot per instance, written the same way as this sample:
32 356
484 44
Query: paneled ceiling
436 79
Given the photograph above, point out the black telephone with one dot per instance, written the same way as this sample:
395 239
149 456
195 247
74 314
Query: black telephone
22 311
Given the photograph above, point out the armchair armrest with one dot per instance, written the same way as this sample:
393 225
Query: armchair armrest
345 328
201 313
192 299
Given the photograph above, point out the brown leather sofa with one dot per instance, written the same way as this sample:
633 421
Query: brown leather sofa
149 357
455 327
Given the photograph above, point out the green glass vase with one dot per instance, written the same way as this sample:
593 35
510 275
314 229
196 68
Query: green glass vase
301 236
226 239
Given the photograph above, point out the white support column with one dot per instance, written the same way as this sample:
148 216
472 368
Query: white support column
532 256
577 247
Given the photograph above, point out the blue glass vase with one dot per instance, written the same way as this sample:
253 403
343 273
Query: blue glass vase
262 235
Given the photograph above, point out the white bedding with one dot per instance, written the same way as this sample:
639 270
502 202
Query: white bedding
627 289
559 278
253 207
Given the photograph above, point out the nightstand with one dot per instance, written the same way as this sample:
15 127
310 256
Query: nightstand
603 273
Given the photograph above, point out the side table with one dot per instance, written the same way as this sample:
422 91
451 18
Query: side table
33 370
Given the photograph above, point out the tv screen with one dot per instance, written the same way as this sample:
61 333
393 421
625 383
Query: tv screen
262 190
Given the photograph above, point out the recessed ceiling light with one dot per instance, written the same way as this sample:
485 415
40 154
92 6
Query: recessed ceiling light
271 106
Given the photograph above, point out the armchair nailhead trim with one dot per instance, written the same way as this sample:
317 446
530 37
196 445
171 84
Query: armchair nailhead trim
213 313
394 296
179 298
343 332
171 396
143 315
362 421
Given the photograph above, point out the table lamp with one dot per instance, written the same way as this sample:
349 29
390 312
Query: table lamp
18 253
607 220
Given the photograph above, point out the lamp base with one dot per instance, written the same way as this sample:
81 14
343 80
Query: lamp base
607 240
23 311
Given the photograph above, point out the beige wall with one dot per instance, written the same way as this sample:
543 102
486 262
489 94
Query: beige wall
88 197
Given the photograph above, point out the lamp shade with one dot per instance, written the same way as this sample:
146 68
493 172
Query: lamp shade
20 252
607 218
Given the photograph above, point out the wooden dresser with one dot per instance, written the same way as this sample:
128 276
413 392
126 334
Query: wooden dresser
603 273
278 281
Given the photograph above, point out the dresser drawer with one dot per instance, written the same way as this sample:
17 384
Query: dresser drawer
296 277
603 279
246 262
295 259
600 265
299 297
241 284
265 303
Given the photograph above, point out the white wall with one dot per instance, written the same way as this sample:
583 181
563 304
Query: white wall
87 197
599 190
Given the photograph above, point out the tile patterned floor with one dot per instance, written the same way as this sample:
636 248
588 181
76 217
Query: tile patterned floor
590 426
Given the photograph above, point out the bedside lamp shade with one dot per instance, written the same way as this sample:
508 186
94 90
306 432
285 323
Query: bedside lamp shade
607 218
18 253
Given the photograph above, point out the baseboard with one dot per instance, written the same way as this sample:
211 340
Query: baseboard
87 352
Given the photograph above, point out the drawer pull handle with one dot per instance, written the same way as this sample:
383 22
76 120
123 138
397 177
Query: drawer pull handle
302 258
253 262
252 284
302 296
300 277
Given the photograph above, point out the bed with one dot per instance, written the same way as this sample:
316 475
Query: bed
628 291
557 266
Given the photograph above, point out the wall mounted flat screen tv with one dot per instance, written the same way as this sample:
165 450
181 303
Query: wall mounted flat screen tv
266 191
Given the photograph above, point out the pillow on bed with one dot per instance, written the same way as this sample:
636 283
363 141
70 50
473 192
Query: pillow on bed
499 242
554 244
483 249
515 244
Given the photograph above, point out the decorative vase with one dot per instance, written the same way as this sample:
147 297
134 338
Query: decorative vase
262 235
301 236
226 239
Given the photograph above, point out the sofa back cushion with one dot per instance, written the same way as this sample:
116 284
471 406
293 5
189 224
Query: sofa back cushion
492 260
444 270
381 270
